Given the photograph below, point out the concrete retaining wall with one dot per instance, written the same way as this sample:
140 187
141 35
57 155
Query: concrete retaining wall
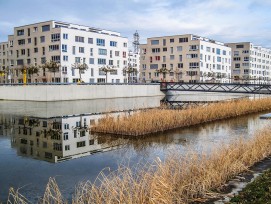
76 92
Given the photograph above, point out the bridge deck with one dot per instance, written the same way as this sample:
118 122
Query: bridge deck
217 87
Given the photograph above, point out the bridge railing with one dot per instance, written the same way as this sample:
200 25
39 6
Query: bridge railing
217 87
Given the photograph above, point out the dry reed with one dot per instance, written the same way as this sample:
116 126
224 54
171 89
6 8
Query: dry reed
179 179
158 120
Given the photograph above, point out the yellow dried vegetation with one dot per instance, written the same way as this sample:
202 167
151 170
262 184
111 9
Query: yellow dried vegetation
158 120
180 178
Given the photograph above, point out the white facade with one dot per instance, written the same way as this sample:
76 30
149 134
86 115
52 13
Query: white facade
187 58
68 43
250 63
133 61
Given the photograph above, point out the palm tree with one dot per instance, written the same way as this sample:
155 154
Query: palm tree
52 66
82 67
129 70
163 71
107 69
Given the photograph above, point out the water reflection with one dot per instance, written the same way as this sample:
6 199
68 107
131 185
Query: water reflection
37 137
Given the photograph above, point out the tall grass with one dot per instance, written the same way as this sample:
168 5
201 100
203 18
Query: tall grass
178 179
158 120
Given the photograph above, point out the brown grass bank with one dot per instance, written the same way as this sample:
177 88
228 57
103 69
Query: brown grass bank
178 179
157 120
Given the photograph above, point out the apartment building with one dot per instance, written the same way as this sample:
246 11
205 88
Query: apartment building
186 58
250 63
134 62
66 44
4 61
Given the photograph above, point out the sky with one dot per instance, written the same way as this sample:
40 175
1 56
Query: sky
221 20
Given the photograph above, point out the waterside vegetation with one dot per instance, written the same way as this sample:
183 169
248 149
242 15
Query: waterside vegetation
180 178
158 120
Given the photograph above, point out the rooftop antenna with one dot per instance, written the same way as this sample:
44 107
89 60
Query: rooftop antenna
136 42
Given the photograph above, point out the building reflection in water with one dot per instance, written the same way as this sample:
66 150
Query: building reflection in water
57 139
59 131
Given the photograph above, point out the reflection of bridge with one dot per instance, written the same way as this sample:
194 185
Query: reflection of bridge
217 87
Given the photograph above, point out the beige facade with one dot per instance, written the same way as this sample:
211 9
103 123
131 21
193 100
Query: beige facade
250 64
187 58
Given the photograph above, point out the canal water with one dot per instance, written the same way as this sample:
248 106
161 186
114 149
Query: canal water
39 140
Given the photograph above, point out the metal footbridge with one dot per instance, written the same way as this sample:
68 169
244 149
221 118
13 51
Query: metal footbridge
216 87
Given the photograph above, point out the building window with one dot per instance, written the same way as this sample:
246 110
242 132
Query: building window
100 42
180 65
20 32
237 66
90 40
77 59
91 51
102 51
182 40
171 40
240 46
101 61
124 45
190 56
36 50
81 144
154 42
153 66
21 42
65 136
193 47
65 36
179 48
45 28
217 51
65 58
155 50
91 60
113 44
81 50
67 147
42 39
64 48
193 65
55 58
53 47
79 39
55 37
